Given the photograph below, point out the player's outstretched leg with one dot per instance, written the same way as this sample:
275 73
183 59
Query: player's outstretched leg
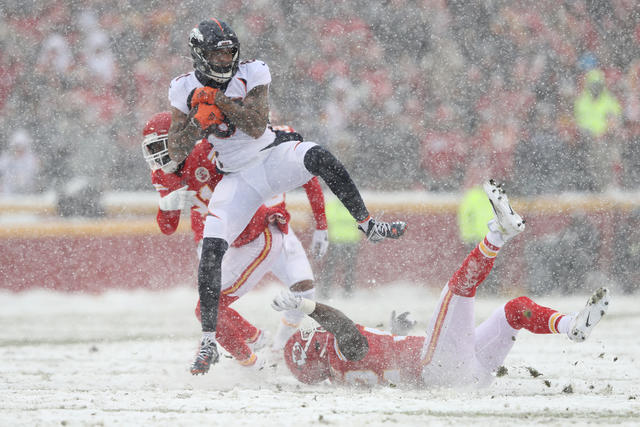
587 319
322 163
506 222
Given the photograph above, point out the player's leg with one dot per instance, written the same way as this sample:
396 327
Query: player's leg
448 355
496 335
294 270
231 207
295 163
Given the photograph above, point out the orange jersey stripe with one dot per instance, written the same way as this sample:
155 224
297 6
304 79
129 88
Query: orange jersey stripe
268 240
437 328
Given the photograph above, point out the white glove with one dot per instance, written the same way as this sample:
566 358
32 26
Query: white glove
286 300
319 243
177 200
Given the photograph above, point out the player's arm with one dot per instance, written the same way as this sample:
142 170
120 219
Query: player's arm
251 115
168 221
316 200
353 345
183 135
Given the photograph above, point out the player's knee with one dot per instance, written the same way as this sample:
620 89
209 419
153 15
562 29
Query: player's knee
213 249
318 158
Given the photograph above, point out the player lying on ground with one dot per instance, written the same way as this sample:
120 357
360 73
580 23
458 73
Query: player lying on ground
259 249
454 352
227 101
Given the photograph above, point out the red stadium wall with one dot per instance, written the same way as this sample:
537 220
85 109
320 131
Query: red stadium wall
95 255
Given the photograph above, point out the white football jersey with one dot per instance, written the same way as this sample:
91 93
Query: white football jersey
237 150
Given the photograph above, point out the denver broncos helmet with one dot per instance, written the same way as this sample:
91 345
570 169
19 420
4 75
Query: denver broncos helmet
208 36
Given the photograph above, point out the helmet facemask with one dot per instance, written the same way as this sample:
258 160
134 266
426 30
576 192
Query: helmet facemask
307 357
156 152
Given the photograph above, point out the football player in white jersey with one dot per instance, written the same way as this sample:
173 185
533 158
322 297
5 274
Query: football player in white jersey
227 101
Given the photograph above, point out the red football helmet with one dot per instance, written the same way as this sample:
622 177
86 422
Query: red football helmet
154 144
306 355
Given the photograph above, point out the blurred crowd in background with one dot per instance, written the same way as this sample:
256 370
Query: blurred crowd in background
411 94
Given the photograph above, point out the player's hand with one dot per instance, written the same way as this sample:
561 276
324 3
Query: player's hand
206 116
401 325
319 243
203 95
286 301
177 200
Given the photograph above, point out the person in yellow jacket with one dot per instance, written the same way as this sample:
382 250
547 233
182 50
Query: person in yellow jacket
474 212
598 114
342 255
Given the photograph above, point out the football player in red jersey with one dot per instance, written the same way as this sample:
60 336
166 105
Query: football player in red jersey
454 352
259 248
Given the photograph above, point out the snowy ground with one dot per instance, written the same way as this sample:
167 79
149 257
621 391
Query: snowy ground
122 358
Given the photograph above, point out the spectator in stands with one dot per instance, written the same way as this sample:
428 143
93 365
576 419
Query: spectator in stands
341 262
597 114
19 166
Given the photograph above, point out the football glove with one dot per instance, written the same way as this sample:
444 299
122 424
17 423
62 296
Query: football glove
207 116
177 200
202 95
401 325
287 300
319 243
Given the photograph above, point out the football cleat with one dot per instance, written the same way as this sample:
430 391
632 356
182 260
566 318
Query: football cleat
379 230
507 222
207 355
587 319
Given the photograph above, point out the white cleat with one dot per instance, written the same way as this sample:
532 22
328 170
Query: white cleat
507 222
587 319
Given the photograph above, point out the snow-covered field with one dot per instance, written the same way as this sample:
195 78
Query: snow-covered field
122 358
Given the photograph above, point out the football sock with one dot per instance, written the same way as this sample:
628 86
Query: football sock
209 280
522 312
474 269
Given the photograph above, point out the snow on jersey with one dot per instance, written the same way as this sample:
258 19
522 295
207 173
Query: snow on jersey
392 359
239 150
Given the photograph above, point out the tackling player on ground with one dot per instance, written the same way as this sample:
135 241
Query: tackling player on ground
267 244
454 352
227 101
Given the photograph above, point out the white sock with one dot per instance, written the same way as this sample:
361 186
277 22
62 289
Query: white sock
290 321
210 336
565 323
495 238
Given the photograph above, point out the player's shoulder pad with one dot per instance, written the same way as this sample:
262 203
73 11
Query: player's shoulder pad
255 73
179 90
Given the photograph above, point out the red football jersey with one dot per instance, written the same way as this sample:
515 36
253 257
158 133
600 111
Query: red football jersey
200 174
391 359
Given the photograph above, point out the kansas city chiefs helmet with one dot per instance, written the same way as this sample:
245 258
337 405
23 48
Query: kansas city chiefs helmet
155 143
208 36
305 354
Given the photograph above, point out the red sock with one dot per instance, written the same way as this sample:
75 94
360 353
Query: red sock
230 336
474 269
523 313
